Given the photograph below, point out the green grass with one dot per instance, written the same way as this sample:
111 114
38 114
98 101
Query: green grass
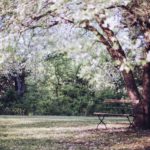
68 133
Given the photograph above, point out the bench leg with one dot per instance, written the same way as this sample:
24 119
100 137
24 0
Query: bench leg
131 124
101 121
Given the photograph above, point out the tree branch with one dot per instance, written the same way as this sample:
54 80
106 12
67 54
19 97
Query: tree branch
38 17
117 53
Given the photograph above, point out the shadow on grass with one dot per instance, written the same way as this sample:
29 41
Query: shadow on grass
39 144
98 140
126 140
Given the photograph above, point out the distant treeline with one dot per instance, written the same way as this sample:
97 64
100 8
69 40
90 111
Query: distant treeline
58 91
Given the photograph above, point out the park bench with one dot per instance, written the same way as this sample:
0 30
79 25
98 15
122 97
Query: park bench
123 109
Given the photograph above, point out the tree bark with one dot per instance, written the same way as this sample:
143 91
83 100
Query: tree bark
136 98
131 87
146 95
20 85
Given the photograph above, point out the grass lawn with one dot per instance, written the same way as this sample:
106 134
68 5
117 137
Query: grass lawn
68 133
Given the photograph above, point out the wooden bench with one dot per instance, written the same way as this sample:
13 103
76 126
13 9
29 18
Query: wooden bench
102 115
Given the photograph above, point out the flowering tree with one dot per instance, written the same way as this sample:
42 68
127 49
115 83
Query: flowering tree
123 28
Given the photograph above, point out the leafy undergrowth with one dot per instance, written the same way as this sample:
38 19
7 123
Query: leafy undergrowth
69 133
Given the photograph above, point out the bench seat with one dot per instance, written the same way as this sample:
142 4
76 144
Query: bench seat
111 114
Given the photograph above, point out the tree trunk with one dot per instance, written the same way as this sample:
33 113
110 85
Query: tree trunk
20 84
137 102
146 95
131 87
